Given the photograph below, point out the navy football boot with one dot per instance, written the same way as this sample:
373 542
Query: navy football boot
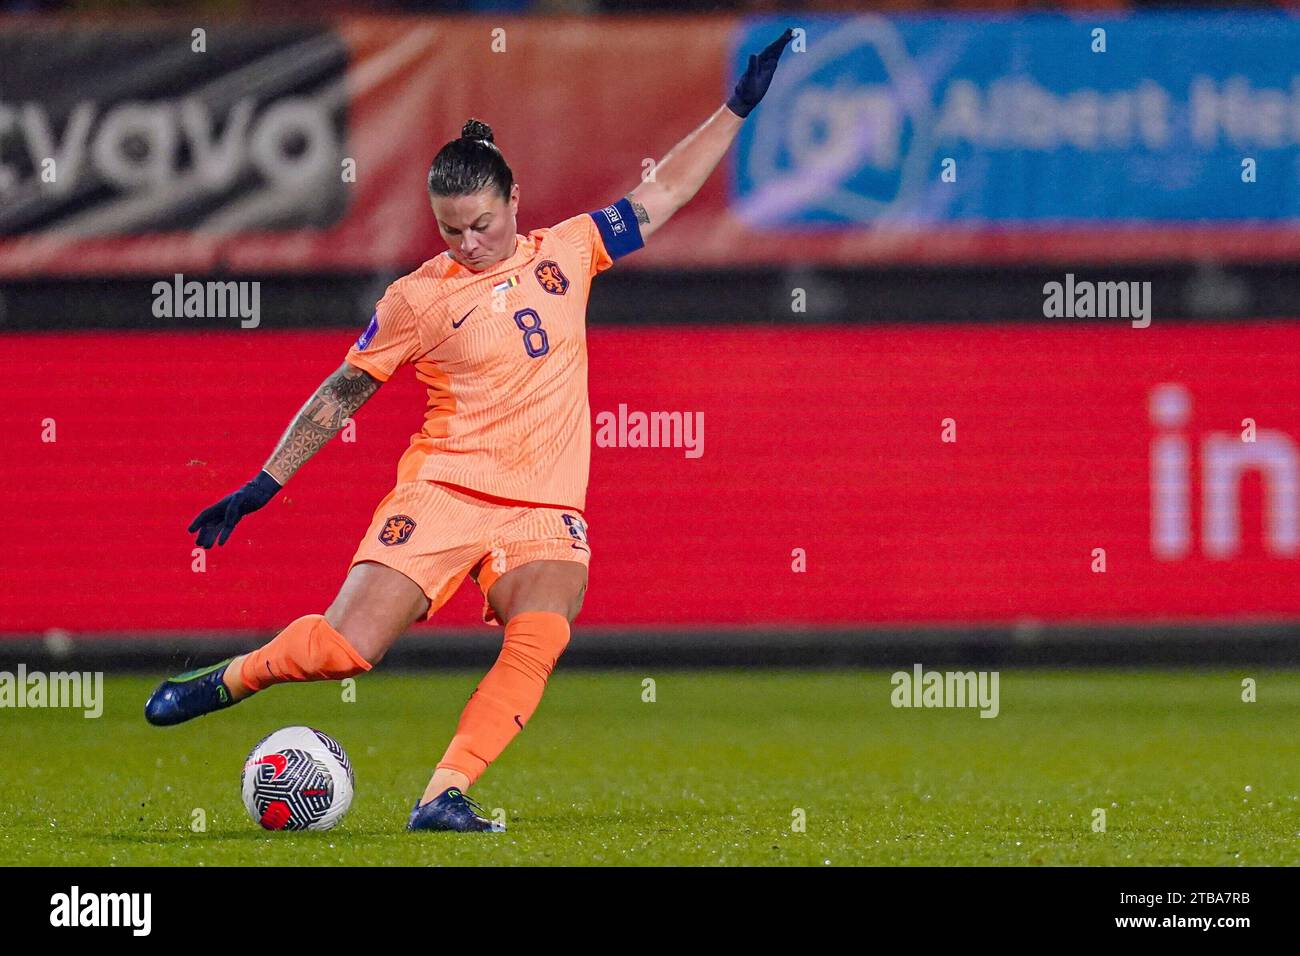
189 695
452 810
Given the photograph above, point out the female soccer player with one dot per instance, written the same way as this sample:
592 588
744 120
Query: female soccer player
494 483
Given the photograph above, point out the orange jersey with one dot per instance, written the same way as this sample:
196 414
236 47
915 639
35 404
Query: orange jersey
503 354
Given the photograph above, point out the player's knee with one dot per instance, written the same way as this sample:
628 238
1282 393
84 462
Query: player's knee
374 608
560 640
575 604
374 651
371 644
368 640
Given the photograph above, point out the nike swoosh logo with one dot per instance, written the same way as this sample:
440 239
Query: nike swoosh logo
578 547
519 722
456 325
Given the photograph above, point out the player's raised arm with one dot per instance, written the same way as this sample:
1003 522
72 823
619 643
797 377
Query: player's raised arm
320 419
680 174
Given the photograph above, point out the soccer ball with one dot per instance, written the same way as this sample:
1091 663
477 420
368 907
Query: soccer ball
297 779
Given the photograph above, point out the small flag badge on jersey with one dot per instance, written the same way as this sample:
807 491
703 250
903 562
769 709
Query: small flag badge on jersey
503 286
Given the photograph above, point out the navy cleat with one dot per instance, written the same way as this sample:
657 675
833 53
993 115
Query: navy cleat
189 695
452 810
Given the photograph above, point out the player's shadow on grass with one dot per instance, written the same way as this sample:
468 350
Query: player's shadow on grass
651 822
213 837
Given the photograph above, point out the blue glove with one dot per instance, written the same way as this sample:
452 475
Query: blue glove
225 514
758 76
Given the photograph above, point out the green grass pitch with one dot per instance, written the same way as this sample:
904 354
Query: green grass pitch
714 771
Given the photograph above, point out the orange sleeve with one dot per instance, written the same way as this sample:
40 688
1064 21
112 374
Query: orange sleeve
581 231
390 340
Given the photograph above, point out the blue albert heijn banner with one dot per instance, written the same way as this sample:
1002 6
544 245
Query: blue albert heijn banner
1036 125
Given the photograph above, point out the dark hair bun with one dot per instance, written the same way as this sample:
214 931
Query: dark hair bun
476 129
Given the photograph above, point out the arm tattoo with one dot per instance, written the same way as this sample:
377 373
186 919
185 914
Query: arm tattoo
337 399
642 217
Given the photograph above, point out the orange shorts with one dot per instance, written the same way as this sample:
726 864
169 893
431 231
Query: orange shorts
436 534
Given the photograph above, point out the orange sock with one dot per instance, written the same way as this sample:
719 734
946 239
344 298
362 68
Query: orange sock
308 649
508 695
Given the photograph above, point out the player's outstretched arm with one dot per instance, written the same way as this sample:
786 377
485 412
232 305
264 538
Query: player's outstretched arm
320 419
680 174
338 398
